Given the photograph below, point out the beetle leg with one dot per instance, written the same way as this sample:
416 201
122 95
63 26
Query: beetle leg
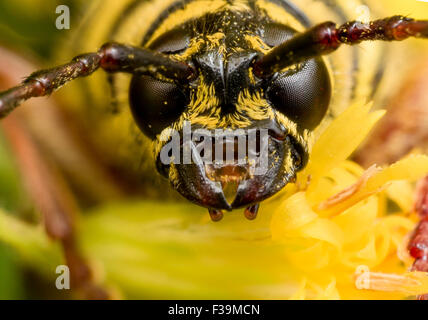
52 197
112 57
326 37
216 215
251 212
418 245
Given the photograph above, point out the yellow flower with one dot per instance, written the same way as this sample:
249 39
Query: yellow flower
341 217
316 239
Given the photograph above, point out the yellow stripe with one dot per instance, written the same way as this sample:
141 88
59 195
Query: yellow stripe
194 9
280 15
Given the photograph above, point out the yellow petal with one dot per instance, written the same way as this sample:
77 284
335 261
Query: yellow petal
301 292
322 229
291 214
339 140
402 193
329 293
410 169
357 220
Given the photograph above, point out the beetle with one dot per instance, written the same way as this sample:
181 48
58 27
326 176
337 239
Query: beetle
235 67
249 70
225 59
220 64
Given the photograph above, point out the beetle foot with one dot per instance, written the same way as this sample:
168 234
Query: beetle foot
251 212
216 215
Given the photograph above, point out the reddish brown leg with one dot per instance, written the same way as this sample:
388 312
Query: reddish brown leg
327 37
112 57
52 197
418 245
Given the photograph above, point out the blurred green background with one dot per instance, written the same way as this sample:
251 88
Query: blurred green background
27 27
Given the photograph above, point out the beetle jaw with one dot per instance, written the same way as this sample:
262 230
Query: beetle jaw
231 186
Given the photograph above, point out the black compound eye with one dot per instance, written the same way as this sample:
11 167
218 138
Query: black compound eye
155 104
275 34
172 41
302 94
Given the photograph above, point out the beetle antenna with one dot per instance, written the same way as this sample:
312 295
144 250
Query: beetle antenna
326 37
112 57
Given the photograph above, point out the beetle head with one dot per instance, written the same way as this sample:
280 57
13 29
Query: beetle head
274 115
